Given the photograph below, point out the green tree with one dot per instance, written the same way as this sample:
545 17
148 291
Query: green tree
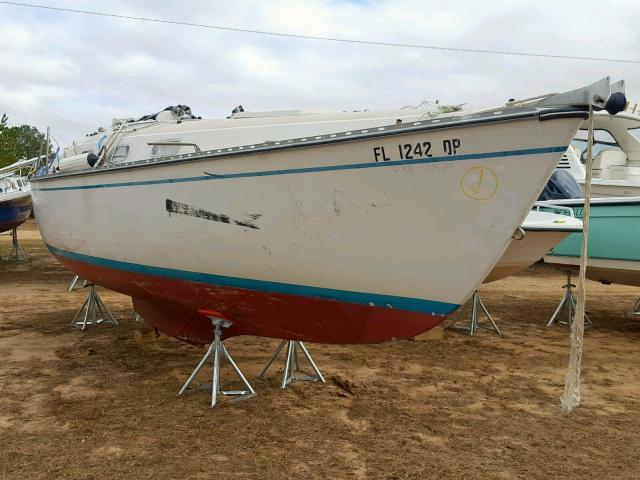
18 142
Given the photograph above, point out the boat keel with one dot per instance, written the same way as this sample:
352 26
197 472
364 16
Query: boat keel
171 305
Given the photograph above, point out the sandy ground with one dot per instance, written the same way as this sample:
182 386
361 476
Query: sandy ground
102 404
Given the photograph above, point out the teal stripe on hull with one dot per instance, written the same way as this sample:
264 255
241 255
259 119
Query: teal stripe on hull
374 299
302 170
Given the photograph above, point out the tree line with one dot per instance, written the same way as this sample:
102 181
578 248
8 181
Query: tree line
19 142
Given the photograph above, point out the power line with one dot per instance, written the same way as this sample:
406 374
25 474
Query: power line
320 38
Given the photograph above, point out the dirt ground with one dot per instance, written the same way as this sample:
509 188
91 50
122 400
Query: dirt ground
102 404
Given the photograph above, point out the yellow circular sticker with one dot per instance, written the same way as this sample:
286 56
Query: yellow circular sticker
479 183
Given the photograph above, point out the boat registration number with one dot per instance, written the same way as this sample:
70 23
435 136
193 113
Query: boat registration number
410 151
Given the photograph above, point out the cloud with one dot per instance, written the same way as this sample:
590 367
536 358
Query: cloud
76 72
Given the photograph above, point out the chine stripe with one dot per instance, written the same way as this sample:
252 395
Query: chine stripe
326 168
373 299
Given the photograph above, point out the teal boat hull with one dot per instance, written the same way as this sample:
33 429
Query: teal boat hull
614 240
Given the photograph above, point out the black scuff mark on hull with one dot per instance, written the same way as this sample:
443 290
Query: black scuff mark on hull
185 209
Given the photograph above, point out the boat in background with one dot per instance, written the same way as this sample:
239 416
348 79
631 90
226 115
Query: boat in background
15 202
616 155
335 228
614 230
538 234
614 240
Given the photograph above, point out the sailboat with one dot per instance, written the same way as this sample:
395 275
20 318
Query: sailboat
347 227
15 201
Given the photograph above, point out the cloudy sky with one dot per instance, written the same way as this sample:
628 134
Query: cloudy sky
76 72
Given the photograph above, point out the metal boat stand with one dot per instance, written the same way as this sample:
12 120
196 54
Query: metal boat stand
95 311
74 283
17 253
137 317
217 350
292 369
477 308
568 303
636 307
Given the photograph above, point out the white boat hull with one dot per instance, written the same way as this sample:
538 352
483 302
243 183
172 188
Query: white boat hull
541 231
612 188
323 243
622 272
521 254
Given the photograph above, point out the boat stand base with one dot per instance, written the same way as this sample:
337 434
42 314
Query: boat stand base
292 369
567 303
477 308
216 352
93 311
17 253
636 308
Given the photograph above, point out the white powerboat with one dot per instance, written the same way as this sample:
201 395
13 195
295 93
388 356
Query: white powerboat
539 233
616 150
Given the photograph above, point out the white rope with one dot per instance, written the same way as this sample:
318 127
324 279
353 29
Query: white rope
520 102
571 397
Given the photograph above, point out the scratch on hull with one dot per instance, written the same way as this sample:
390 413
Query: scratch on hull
189 210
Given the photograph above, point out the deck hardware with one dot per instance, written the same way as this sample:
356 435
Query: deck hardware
519 234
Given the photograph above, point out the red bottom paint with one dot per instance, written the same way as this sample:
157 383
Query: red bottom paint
172 306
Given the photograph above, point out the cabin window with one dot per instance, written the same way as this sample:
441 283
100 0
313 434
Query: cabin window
120 154
602 140
165 150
